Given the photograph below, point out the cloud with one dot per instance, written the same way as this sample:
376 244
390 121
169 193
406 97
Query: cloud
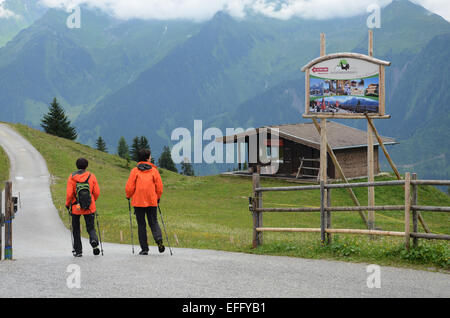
317 9
440 7
200 10
5 13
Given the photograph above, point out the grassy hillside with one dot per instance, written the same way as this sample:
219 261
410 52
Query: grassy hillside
4 168
212 212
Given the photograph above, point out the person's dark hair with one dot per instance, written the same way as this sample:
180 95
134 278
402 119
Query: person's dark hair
144 154
82 163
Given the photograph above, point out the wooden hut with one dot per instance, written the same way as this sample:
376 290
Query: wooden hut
299 149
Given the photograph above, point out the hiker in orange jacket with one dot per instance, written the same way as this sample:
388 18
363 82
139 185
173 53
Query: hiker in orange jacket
87 198
145 188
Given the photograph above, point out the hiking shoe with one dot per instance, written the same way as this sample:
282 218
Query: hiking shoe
161 247
95 247
143 253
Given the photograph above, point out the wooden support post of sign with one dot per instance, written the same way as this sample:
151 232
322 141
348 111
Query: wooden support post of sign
341 173
322 44
323 174
8 221
382 92
380 142
394 168
407 209
323 217
370 159
323 150
307 91
370 178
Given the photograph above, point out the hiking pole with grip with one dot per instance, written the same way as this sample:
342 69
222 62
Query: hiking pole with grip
131 226
99 233
164 226
69 209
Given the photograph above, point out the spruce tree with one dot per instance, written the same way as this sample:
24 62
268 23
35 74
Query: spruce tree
122 149
186 168
138 144
55 122
143 143
100 144
134 151
165 161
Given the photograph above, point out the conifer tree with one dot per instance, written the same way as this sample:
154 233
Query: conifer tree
138 144
186 168
135 147
100 144
123 151
55 122
165 160
143 143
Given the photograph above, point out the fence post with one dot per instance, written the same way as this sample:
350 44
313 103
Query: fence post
414 211
407 208
1 226
257 216
260 205
322 211
8 220
329 238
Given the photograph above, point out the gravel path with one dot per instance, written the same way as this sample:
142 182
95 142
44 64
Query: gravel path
43 262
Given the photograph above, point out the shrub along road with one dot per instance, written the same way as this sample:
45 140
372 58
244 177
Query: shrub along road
42 253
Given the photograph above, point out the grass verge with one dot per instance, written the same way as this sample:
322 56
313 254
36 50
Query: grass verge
4 168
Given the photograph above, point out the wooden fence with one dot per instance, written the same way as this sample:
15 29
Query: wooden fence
6 221
325 209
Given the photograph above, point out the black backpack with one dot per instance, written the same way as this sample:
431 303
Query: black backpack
84 194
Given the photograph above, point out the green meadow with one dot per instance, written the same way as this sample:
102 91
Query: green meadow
4 168
211 212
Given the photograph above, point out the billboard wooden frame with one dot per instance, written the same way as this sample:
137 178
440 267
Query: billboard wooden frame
381 77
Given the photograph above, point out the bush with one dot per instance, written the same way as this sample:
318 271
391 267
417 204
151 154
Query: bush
437 254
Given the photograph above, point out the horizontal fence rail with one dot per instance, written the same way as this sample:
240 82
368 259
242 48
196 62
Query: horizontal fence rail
411 191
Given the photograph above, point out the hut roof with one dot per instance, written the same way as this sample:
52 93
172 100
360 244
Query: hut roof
339 136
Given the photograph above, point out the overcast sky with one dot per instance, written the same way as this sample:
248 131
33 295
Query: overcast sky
200 10
4 13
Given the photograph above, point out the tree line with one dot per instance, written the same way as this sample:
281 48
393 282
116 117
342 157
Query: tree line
56 123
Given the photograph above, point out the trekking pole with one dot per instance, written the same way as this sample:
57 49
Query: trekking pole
131 226
99 233
164 226
71 227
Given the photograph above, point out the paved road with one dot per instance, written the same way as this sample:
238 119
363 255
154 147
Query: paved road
43 253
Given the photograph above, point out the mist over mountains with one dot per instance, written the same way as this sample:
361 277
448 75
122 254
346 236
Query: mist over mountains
147 77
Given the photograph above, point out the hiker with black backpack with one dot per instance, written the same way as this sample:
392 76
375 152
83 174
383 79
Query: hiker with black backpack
144 187
82 192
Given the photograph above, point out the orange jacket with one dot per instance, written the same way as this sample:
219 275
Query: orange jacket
144 185
71 195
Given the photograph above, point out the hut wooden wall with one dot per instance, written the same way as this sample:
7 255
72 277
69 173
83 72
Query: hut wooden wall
354 161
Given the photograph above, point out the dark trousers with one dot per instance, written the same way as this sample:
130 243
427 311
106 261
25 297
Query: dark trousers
152 219
90 227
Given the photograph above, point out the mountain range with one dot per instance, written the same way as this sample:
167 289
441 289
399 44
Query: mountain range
127 78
